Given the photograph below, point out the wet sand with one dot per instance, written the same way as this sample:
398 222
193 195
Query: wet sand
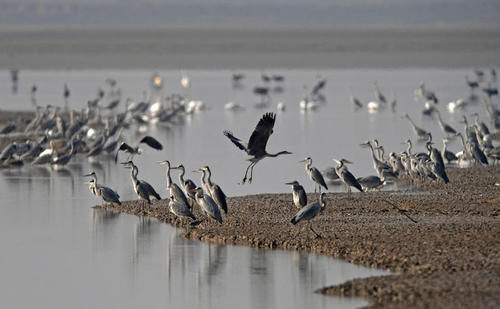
448 259
248 47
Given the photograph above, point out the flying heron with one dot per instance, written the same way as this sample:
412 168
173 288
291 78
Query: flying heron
256 146
148 140
310 211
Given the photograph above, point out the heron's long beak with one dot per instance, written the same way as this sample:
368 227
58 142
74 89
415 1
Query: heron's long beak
162 162
302 161
336 161
87 175
289 183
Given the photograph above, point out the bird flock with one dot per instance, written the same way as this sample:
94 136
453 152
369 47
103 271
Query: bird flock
57 135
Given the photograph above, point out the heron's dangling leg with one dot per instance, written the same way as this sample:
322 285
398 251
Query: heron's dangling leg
251 172
246 173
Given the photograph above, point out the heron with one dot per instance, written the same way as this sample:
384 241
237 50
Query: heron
298 193
419 132
426 94
186 184
377 164
446 154
379 95
207 204
437 166
175 191
143 189
371 182
346 176
256 146
310 211
8 151
148 140
180 209
107 194
447 129
314 174
356 102
212 189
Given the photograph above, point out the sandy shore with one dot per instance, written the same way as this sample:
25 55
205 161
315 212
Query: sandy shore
449 259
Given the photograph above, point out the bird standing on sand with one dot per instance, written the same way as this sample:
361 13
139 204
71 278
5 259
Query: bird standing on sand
207 204
310 211
299 194
214 190
314 174
143 189
347 177
107 194
256 146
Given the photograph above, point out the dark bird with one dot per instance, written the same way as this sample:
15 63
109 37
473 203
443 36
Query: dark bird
310 211
148 140
347 177
256 146
299 194
314 174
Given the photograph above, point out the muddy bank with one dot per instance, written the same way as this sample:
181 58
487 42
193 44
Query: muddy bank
449 258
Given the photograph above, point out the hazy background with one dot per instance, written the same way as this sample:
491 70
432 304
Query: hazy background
249 12
258 34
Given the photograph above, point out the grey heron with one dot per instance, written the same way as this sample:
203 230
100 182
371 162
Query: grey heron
148 140
377 164
187 185
180 209
207 204
419 132
310 211
380 97
314 174
108 195
371 182
447 129
213 189
446 154
256 146
143 189
298 193
346 176
175 191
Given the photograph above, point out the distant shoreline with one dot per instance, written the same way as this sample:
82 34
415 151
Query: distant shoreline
214 48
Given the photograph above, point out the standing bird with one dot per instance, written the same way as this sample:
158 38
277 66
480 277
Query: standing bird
143 189
314 174
299 194
148 140
187 185
180 209
347 177
175 191
419 132
107 194
256 146
446 154
310 211
214 190
447 129
207 204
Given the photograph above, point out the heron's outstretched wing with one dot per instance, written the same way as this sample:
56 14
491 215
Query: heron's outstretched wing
123 146
235 140
151 142
260 135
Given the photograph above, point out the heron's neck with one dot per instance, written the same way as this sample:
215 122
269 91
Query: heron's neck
169 180
181 176
409 148
274 155
209 179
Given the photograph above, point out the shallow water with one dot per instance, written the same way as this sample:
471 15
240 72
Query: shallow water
63 253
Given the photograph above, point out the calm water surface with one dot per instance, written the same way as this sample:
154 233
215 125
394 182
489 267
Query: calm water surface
62 253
